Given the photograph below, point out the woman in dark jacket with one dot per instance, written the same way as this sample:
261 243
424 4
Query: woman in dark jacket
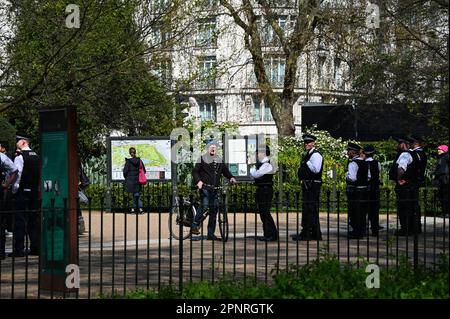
131 174
441 177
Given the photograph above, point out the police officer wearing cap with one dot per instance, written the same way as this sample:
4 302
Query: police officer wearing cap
374 169
310 175
406 171
357 191
26 190
263 176
416 146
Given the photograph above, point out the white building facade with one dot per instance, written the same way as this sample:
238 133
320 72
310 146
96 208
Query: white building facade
219 80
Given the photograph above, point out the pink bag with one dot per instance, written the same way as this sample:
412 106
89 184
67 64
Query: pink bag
142 177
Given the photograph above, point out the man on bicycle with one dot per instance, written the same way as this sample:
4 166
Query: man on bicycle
206 174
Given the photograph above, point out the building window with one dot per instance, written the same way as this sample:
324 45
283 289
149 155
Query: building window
208 111
338 74
269 37
257 105
267 114
262 112
275 67
207 36
320 73
207 70
164 72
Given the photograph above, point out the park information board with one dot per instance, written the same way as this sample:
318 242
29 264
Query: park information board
241 155
155 153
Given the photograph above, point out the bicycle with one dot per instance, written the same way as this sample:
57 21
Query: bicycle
189 212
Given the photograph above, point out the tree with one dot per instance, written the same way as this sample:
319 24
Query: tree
247 15
404 60
104 68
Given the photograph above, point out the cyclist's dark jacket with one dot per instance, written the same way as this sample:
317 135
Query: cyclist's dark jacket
209 170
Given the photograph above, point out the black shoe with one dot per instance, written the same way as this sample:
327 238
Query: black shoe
353 235
400 232
213 237
301 237
16 254
195 230
33 253
266 239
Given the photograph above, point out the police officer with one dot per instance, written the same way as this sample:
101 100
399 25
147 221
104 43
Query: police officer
9 171
417 146
263 175
357 191
310 175
26 188
408 166
374 169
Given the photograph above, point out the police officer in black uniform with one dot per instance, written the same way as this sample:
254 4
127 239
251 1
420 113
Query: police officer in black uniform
357 191
374 168
408 172
263 175
26 189
310 175
416 146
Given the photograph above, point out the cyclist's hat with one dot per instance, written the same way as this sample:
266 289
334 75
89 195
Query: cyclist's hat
211 142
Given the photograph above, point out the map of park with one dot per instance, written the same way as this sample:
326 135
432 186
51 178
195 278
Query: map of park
155 155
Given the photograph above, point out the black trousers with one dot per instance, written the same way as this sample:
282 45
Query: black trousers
264 203
26 221
310 209
373 206
443 198
357 209
408 209
3 220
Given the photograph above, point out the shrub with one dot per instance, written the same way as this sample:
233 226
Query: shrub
323 278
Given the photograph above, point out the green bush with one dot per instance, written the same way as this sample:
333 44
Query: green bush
324 278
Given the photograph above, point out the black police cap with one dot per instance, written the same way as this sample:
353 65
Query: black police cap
403 140
369 150
308 138
20 136
415 139
353 147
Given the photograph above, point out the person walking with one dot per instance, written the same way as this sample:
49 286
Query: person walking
441 178
208 171
310 176
263 176
357 191
131 174
373 205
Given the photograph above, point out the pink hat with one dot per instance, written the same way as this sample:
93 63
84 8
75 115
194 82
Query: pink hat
443 148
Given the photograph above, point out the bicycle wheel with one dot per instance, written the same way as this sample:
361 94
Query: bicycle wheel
175 220
223 224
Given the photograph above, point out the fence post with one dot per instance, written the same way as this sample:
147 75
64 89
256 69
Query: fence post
180 254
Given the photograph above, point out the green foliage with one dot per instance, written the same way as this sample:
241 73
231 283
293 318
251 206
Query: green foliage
99 68
324 278
7 133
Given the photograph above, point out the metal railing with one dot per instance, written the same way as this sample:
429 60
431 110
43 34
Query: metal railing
120 251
